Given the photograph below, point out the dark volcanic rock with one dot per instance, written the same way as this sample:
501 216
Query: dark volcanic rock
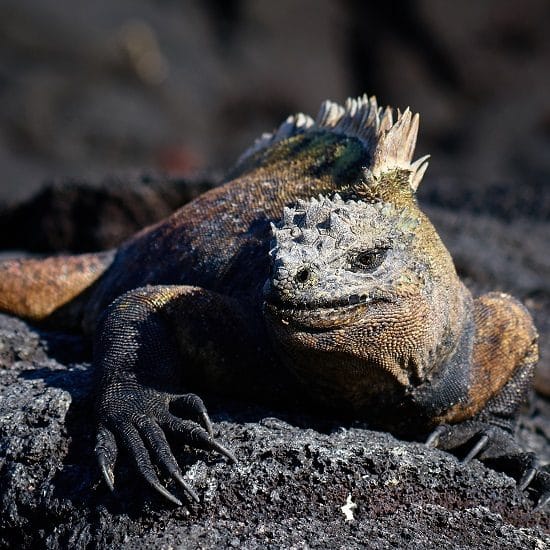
294 476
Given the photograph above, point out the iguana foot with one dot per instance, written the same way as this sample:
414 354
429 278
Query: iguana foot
496 447
137 418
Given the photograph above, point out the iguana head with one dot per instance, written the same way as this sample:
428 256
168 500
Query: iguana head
363 295
331 259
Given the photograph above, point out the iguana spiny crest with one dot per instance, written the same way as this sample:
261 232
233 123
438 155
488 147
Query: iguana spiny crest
388 169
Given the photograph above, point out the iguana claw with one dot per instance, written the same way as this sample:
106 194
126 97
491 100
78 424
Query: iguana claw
477 448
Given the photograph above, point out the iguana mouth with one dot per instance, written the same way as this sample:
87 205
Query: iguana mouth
351 301
322 315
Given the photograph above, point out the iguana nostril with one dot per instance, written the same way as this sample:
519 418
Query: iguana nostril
303 275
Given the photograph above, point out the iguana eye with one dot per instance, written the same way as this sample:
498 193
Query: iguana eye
368 260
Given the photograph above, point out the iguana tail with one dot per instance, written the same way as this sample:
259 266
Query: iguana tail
50 290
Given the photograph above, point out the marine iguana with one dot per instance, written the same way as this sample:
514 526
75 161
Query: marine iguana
312 267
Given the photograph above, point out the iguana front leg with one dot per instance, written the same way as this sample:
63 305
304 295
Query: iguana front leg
149 343
504 356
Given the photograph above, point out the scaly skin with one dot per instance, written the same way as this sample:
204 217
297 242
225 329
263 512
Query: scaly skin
355 299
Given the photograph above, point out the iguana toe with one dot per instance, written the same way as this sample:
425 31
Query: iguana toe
186 487
160 448
206 423
433 439
191 404
527 478
195 435
223 450
541 483
132 441
106 471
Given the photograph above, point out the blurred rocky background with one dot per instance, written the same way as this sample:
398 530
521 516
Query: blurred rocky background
95 88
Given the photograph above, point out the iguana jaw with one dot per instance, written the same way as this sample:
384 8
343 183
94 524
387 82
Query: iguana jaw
346 345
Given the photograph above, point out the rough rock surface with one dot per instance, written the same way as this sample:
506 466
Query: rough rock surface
295 473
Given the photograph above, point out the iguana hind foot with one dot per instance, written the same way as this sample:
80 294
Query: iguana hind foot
495 447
